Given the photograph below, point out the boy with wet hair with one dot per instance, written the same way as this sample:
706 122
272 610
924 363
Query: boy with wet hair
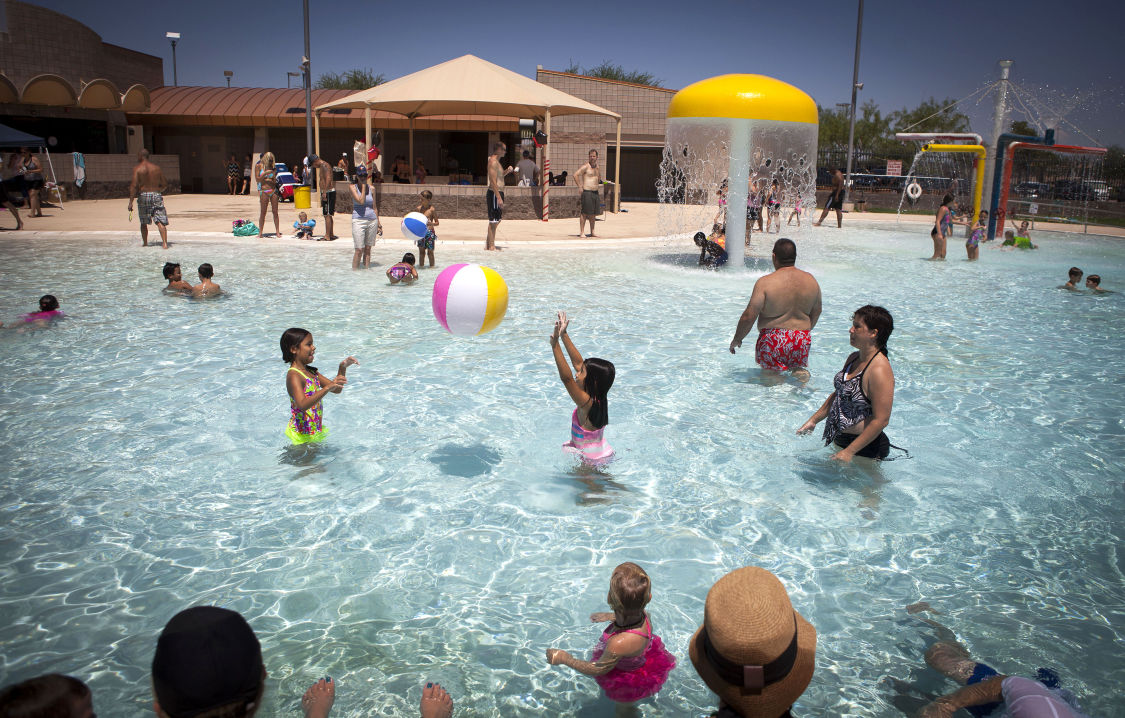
206 287
1092 283
1074 276
51 695
176 283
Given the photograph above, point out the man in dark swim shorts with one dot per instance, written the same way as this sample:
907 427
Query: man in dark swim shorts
835 199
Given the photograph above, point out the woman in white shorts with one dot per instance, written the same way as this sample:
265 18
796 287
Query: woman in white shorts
365 221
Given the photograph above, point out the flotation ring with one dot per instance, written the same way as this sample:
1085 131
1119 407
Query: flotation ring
913 190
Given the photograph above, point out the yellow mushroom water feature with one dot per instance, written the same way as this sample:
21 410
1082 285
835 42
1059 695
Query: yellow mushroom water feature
740 129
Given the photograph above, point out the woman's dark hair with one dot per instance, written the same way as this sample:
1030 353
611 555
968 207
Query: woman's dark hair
878 319
947 199
408 258
599 378
291 338
48 303
51 696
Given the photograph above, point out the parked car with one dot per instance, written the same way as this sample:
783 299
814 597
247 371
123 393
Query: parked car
1074 190
1032 190
1100 189
285 182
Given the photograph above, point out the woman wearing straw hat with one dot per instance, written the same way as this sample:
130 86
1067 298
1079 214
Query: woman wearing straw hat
753 650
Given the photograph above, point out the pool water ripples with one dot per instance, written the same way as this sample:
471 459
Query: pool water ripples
442 534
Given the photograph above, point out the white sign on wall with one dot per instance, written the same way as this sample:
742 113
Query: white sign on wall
1033 209
894 168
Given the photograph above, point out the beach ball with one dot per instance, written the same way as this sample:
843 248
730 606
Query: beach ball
414 226
469 299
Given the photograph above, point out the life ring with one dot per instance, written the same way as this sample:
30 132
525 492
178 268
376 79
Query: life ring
913 190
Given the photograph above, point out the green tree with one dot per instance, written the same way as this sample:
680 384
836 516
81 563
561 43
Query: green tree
872 129
930 116
356 79
608 71
1022 127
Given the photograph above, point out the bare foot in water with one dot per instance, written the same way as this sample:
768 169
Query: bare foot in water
318 699
436 702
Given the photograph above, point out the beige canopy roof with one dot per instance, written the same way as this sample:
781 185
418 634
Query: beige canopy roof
468 85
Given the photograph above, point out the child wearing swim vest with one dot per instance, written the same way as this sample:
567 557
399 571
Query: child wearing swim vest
587 387
307 387
629 662
426 244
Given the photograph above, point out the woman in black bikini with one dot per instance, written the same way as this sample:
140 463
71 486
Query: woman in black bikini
860 407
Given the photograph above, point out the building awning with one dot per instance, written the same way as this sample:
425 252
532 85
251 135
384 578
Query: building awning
280 107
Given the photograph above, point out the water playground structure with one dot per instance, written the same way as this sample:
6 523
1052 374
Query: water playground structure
934 145
735 130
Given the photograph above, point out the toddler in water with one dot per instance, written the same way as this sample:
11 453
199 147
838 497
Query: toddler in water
426 244
307 386
587 386
404 271
629 661
304 226
48 312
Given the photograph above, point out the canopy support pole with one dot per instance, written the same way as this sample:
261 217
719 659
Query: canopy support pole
617 172
411 147
316 146
545 172
53 177
367 126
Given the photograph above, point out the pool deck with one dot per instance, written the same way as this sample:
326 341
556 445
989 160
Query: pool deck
209 216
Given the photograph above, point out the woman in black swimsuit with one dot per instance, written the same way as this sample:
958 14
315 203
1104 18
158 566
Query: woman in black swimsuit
860 407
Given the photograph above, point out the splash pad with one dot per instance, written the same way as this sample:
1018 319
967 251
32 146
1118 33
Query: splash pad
747 131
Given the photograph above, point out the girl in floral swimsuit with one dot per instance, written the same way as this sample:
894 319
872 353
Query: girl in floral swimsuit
307 386
629 661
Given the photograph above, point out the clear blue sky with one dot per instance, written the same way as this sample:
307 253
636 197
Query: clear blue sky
1068 53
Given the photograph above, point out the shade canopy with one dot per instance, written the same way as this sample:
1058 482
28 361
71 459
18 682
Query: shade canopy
468 85
10 137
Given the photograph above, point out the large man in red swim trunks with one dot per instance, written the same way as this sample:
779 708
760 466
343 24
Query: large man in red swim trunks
786 305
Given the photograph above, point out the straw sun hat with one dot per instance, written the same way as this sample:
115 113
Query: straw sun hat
753 649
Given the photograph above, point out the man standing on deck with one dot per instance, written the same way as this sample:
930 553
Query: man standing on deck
835 199
589 179
148 185
494 197
786 305
327 188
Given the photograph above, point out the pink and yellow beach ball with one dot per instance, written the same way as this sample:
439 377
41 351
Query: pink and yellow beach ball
469 299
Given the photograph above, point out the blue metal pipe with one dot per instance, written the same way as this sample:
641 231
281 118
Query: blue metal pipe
1002 143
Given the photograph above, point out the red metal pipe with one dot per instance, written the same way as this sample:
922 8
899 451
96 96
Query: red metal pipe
1011 151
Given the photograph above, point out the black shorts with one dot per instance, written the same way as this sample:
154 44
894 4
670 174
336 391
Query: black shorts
495 211
328 202
34 183
879 447
591 202
835 201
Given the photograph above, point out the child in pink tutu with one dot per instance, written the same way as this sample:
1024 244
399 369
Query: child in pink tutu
629 662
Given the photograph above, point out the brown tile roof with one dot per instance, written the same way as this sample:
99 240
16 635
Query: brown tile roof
267 107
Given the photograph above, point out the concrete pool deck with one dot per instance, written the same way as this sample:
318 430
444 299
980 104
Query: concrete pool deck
209 216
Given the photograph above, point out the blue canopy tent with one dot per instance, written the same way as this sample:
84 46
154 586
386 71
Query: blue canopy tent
10 137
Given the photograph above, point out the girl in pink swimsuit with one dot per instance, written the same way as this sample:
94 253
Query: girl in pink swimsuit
307 386
629 662
587 386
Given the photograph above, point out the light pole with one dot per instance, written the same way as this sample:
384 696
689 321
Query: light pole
228 74
306 64
289 78
173 36
856 86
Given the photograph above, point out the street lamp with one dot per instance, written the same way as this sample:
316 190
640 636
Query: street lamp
856 86
289 79
228 74
173 36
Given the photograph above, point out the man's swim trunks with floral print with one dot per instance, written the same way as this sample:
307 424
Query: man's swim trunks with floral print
783 349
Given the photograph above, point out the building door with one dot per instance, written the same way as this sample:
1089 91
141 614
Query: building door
213 163
640 169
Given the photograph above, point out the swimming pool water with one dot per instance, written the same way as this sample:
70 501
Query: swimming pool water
441 533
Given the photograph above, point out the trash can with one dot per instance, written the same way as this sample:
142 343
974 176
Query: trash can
302 197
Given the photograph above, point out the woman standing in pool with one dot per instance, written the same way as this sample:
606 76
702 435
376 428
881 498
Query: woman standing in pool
307 386
860 407
587 386
943 225
267 178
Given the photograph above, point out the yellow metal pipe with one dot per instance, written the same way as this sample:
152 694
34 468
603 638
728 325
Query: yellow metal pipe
978 187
